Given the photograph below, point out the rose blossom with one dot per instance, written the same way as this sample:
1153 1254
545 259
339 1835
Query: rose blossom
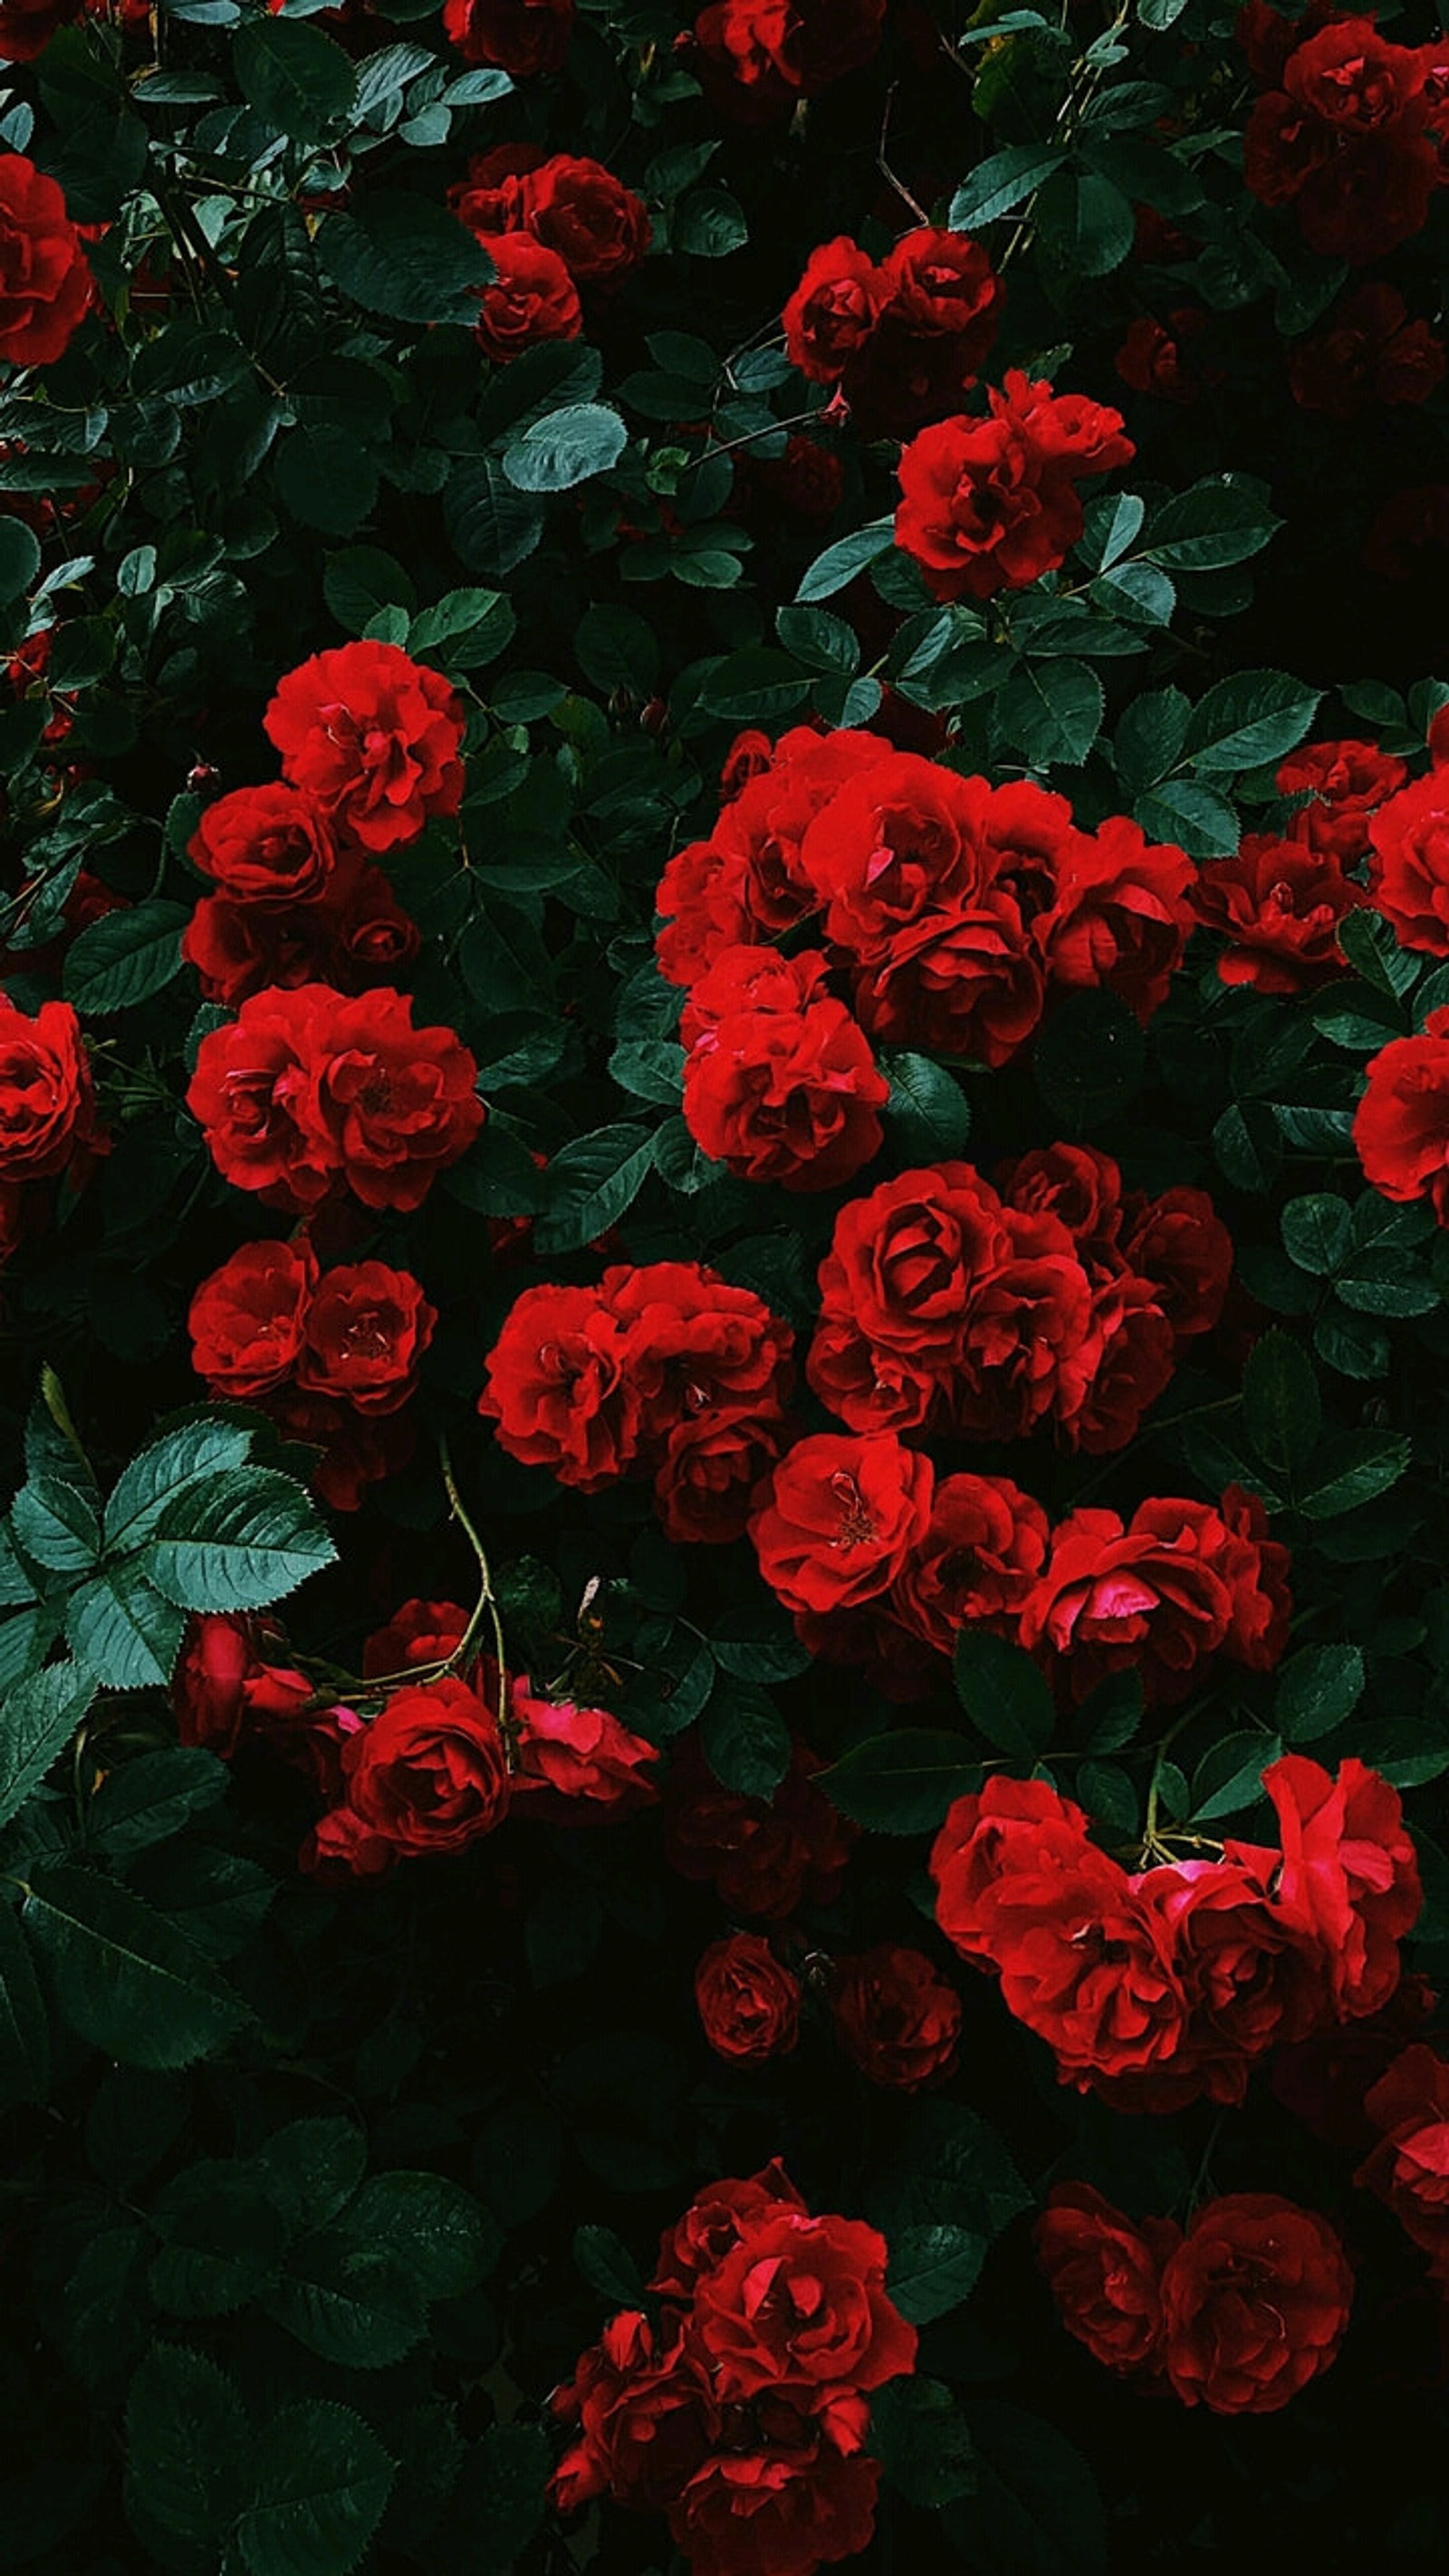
1104 2271
1255 2303
374 737
749 2002
896 2016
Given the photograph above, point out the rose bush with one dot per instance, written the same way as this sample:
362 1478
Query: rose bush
724 1240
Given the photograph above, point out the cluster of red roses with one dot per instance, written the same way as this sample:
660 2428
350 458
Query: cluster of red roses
49 1121
1162 1986
46 286
1401 1127
332 1358
369 742
1237 2314
434 1765
1280 900
992 503
879 1562
763 1856
756 59
551 224
894 2014
1352 131
662 1370
950 906
743 2413
1054 1299
902 341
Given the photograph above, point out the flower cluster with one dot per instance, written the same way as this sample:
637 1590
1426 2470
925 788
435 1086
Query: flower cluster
407 1767
992 503
859 1523
743 2413
1237 2314
894 2014
1161 1986
950 908
332 1357
1059 1300
1350 135
551 223
663 1370
903 341
308 1092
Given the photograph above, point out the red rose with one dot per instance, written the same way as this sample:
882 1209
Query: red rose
1401 1126
1180 1245
48 1115
1413 522
1268 38
1158 1596
306 1090
749 2003
871 1639
896 1290
366 1329
1105 2275
1409 868
571 1761
983 1550
799 2310
642 2419
749 756
714 2224
1249 1977
999 1828
1278 904
26 26
530 297
270 844
520 36
757 57
1084 1962
896 2016
1352 79
959 982
247 1320
1349 1882
578 209
764 1856
1409 2168
429 1774
352 935
992 504
556 1387
901 839
1323 2080
808 479
1345 783
747 881
46 287
841 1516
225 1688
494 196
776 2512
942 283
785 1094
1121 915
707 1478
833 310
1151 358
1370 353
420 1632
695 1347
374 737
1255 2303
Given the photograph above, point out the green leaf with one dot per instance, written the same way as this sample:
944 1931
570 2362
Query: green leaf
933 2268
608 2266
152 1795
1318 1688
1006 1698
1316 1232
744 1740
466 626
19 560
435 2227
1282 1410
904 1782
119 1625
248 1539
1353 1470
222 2239
1088 1060
405 257
54 1523
186 2445
1369 945
126 1979
38 1717
359 580
312 2168
24 2031
1052 711
318 2484
499 2502
191 1454
125 957
566 448
350 2303
1217 522
756 1643
708 224
1036 2510
919 2435
1001 182
617 649
928 1112
837 567
1249 718
592 1183
298 80
1230 1776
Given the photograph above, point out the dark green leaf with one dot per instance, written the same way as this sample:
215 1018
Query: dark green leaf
319 2479
932 2269
126 956
126 1979
566 448
1006 1697
904 1782
298 79
744 1739
38 1717
1318 1688
928 1112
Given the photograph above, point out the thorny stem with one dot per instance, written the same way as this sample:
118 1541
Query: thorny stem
486 1606
1151 1841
